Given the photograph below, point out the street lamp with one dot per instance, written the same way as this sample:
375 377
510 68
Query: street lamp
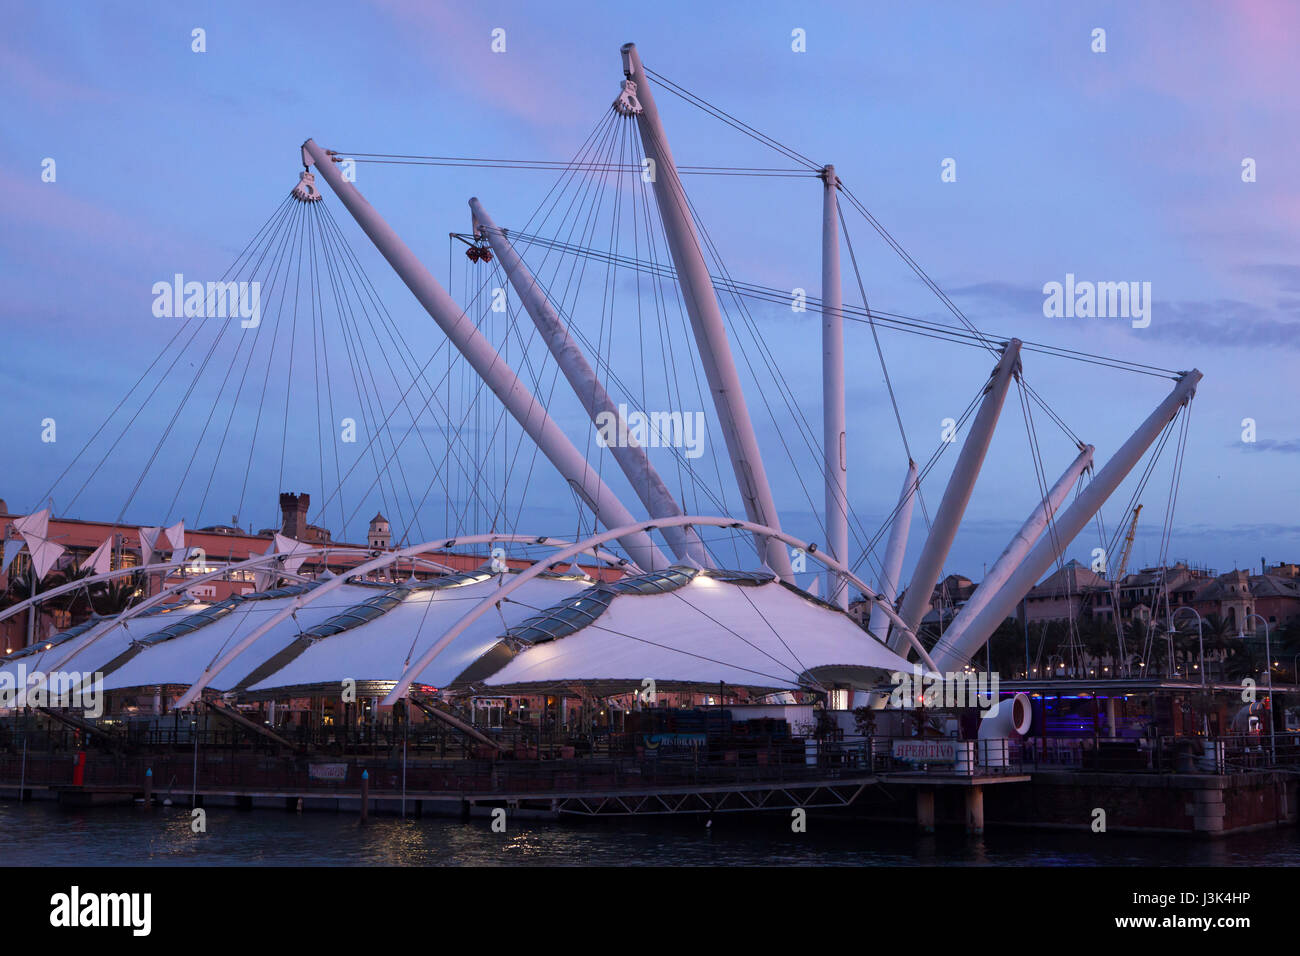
1200 635
1268 663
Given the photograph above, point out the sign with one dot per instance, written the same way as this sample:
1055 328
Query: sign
926 751
327 771
674 742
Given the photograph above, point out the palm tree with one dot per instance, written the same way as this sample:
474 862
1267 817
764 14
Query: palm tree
1286 643
1239 659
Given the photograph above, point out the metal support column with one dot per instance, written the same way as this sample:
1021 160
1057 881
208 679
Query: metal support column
706 319
630 457
953 649
496 374
1079 513
891 571
834 444
957 494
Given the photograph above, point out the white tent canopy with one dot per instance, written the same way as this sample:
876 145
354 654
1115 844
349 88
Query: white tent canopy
706 631
678 625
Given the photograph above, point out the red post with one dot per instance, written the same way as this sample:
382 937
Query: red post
79 770
365 795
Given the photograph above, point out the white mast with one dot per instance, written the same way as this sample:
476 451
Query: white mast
1068 525
631 457
496 374
958 491
892 570
706 317
1015 552
834 446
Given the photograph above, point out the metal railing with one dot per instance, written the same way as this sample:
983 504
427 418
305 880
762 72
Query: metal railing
208 769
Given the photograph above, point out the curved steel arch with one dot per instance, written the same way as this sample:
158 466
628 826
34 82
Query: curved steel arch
567 550
413 670
82 582
167 592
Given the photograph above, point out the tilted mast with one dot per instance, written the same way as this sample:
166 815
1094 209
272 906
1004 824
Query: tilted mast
491 368
956 495
1068 525
702 307
631 457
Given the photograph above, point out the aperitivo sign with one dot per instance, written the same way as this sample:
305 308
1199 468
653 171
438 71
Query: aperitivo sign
926 751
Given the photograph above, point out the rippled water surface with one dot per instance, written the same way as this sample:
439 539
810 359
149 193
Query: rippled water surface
44 834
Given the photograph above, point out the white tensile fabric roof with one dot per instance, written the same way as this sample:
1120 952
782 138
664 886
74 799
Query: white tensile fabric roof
704 632
182 659
380 650
676 626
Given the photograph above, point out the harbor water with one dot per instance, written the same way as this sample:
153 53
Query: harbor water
45 834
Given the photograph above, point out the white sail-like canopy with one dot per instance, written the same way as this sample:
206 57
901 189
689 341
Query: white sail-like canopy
717 626
680 625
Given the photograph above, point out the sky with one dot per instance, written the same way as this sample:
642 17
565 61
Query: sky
1117 165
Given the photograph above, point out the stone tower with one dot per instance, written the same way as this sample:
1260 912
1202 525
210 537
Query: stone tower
381 536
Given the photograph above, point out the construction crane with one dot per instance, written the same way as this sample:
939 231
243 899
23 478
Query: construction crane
1128 545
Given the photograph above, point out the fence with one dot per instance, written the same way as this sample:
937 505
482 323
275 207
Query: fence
220 759
242 772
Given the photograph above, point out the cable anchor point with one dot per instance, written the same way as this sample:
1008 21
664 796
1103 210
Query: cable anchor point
306 190
627 103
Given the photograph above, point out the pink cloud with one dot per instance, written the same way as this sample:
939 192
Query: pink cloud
456 44
39 83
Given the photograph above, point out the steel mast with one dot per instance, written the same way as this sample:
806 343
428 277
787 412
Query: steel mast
496 374
1028 535
834 445
631 457
892 570
702 307
958 491
1068 525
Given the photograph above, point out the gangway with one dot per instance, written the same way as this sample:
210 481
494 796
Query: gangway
437 713
251 725
113 741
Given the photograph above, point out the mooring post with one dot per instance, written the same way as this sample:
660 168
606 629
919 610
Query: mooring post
148 787
22 774
405 736
365 795
975 811
925 809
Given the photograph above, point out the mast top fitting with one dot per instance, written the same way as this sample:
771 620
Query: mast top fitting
627 104
306 190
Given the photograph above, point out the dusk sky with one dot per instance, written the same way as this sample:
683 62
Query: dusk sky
1122 165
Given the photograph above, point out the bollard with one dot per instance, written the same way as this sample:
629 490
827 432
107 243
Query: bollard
148 788
975 811
365 794
925 810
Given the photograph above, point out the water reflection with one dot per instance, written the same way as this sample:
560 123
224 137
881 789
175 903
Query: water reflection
43 834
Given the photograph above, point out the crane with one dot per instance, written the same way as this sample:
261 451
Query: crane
1128 545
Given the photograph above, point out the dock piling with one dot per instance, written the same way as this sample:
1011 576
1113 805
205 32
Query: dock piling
975 811
925 809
